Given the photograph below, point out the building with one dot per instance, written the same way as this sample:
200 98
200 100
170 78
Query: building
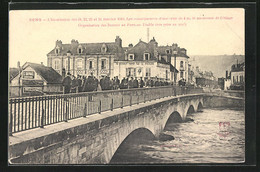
172 53
34 79
237 75
85 58
143 60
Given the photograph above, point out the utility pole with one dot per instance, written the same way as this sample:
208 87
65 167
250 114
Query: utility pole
147 34
175 54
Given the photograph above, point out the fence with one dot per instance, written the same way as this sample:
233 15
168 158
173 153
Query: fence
38 111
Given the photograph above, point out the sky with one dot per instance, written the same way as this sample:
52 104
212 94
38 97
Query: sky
200 31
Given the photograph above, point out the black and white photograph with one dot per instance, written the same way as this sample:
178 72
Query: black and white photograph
126 86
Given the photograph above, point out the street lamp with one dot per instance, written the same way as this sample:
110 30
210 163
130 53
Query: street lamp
175 54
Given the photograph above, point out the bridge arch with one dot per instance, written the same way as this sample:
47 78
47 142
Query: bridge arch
175 117
137 136
200 106
190 110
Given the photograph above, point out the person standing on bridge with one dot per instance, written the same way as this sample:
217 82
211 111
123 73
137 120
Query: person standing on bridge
157 83
135 83
74 85
131 83
141 83
67 83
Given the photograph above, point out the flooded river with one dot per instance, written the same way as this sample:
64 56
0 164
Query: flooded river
215 136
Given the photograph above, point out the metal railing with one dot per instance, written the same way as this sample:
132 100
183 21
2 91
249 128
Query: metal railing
38 111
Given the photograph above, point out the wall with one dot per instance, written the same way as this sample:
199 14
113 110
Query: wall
120 67
15 81
185 71
85 66
235 74
227 83
213 101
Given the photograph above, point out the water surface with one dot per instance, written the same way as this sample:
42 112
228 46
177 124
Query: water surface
215 136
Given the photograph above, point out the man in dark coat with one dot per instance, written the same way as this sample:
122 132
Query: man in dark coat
131 83
121 86
89 84
67 83
157 84
152 83
141 83
135 83
102 82
117 82
79 79
74 84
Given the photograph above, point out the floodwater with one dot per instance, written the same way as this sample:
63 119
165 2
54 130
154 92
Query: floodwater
215 136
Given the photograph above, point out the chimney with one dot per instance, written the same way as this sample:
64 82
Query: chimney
59 43
74 43
130 45
226 74
18 64
118 41
174 46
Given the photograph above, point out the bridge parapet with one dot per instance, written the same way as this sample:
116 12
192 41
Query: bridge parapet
38 111
96 138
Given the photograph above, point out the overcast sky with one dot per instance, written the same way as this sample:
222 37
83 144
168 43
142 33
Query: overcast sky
31 41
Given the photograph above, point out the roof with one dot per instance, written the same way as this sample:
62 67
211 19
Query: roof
89 48
172 68
162 51
139 49
13 72
47 73
238 67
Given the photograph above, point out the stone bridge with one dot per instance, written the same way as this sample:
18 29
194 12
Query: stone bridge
95 138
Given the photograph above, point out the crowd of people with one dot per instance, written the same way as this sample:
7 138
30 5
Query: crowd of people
74 84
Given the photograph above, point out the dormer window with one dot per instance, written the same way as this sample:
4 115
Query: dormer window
80 50
146 56
57 49
167 51
131 56
104 48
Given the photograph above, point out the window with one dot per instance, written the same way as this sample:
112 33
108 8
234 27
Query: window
57 51
131 57
167 51
79 64
65 64
181 74
103 64
146 56
90 64
79 50
237 78
130 72
166 72
56 64
181 64
28 74
148 72
234 79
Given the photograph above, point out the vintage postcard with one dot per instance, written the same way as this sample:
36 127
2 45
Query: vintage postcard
127 86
